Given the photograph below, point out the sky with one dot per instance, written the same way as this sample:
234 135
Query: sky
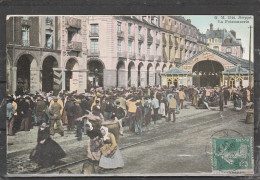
240 24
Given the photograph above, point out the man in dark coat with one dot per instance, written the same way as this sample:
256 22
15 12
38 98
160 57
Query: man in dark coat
226 95
40 111
55 117
70 109
221 100
78 114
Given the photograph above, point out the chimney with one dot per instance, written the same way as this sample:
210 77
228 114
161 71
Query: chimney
189 21
233 33
211 26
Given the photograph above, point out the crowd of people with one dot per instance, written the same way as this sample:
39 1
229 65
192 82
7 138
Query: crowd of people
102 114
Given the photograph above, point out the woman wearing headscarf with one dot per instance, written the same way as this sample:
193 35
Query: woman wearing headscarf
94 143
111 157
47 151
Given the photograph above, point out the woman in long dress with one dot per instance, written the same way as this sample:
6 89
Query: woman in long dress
47 151
111 157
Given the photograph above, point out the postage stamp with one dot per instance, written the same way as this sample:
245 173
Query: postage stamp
232 155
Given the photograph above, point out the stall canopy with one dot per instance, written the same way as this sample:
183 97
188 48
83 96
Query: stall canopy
175 71
236 70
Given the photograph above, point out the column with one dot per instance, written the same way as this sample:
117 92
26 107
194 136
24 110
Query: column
34 80
151 78
122 78
14 79
143 79
63 79
134 76
109 78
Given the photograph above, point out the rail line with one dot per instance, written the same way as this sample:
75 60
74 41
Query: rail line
144 141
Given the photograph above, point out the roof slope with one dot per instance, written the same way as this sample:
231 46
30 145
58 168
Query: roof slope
175 70
232 59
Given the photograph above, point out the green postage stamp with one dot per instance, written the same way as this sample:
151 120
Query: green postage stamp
232 155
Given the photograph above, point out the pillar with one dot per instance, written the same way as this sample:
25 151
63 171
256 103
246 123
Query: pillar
34 80
134 75
143 82
109 78
63 79
14 79
122 78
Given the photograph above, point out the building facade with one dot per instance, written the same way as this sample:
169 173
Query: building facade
224 41
33 49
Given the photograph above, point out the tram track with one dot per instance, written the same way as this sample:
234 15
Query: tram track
191 130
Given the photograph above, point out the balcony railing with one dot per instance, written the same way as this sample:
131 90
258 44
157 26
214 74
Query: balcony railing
120 34
93 53
73 22
73 45
49 21
140 38
122 55
149 39
157 41
131 56
93 34
25 43
158 58
49 46
131 36
150 57
143 57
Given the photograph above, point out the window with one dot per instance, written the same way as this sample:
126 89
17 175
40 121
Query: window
148 49
216 48
94 46
25 36
26 17
229 50
94 28
139 30
119 47
216 40
130 47
49 20
139 48
119 27
48 35
129 28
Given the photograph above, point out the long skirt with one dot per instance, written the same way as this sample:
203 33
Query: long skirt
162 109
113 162
47 153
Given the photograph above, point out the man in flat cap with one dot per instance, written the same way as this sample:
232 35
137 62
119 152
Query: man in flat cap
55 117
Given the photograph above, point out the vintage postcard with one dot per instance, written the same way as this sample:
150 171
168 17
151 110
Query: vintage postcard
130 95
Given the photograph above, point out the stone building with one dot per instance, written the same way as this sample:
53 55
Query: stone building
224 41
33 49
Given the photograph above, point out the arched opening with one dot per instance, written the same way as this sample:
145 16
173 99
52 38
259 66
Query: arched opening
149 74
131 68
95 73
120 74
24 74
164 68
141 75
170 66
71 77
207 73
48 74
157 75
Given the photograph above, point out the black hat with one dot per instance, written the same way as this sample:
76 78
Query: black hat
117 103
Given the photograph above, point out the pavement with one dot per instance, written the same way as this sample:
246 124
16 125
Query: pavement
23 142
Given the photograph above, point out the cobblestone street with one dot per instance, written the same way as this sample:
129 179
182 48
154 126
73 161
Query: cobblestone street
185 140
